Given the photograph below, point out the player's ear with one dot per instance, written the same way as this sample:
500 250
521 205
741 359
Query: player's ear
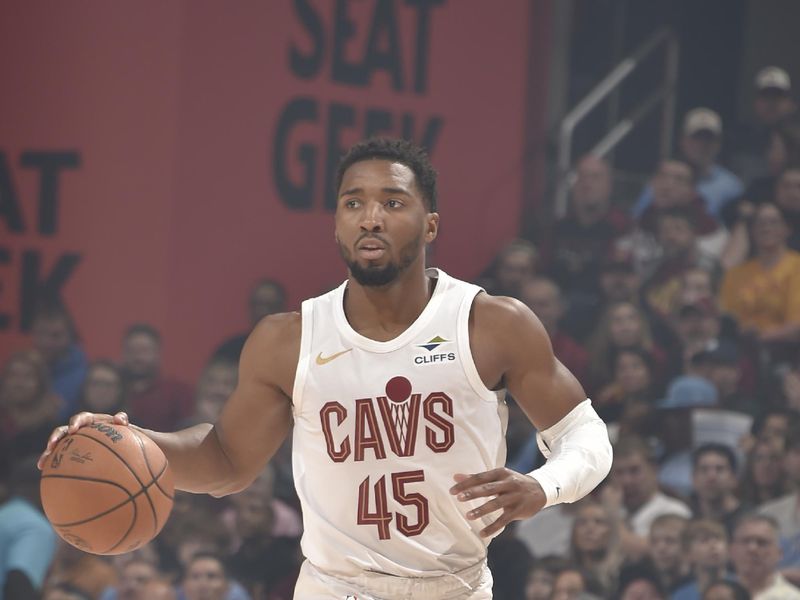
432 227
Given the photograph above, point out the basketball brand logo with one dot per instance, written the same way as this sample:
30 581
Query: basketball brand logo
401 413
108 431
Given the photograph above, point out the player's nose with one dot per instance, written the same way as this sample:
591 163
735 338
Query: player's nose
372 217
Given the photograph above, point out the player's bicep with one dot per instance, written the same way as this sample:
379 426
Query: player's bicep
257 417
543 387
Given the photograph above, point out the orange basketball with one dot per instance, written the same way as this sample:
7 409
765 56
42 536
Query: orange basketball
107 489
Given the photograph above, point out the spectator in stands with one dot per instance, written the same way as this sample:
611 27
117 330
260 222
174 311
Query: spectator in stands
102 390
510 561
705 543
772 107
155 401
791 461
216 384
784 190
675 430
697 326
27 542
575 584
700 145
581 240
29 411
622 326
267 558
787 197
206 578
764 292
785 510
87 573
65 591
639 581
714 468
762 479
680 253
634 474
55 338
134 578
619 282
542 576
266 298
632 383
666 550
517 262
673 187
726 590
544 298
755 553
726 367
595 545
548 532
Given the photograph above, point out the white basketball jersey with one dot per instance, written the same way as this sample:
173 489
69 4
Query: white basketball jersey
380 429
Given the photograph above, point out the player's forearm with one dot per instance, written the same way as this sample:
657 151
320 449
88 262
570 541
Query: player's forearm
196 459
578 455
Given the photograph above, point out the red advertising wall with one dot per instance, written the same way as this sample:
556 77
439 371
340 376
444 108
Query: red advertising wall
157 158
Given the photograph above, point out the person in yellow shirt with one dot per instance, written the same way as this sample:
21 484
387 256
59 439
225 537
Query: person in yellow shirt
763 293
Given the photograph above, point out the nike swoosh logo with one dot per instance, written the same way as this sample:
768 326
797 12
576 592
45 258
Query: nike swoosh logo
324 360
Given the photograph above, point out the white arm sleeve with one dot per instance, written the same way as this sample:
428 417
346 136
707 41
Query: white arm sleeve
578 455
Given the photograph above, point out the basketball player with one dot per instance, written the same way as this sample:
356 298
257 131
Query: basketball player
394 385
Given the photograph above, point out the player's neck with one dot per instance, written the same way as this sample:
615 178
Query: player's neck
382 313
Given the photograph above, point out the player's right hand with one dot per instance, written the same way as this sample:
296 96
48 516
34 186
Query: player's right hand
82 419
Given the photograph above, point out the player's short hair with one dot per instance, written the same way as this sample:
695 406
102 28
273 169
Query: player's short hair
143 329
395 150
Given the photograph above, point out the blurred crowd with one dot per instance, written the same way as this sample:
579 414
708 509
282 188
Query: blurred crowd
679 312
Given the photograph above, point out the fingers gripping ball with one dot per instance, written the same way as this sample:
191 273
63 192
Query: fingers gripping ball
107 489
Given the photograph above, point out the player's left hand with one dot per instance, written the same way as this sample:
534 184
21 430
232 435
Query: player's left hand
518 496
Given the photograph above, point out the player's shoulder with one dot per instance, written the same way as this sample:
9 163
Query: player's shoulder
275 334
279 327
501 310
504 318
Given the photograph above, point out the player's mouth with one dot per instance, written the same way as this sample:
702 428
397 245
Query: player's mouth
371 250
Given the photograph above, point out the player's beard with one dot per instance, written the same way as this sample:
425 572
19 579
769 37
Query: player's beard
381 275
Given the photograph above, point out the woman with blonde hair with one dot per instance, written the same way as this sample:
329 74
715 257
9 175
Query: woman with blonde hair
595 545
623 326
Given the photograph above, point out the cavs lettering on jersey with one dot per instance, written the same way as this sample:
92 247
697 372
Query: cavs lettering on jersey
380 429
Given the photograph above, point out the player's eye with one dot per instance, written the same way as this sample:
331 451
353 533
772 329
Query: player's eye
394 203
352 203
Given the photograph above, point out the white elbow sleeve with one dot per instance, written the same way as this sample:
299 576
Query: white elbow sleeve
578 455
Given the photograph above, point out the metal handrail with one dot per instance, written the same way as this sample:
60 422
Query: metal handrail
665 95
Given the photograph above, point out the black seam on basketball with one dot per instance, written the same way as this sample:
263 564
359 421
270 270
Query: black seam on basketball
131 497
130 528
115 453
149 470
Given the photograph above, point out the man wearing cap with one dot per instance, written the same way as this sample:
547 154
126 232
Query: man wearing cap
675 429
700 145
772 106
